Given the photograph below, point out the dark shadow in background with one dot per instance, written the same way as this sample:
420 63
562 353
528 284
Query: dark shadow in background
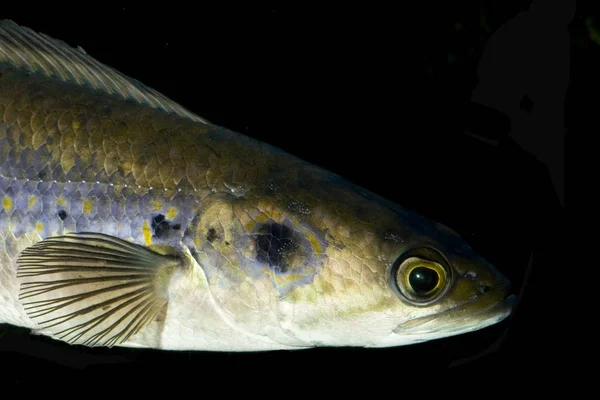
524 73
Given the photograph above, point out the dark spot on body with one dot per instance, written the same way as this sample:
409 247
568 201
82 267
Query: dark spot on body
157 220
41 174
211 235
161 226
62 214
227 243
161 229
275 245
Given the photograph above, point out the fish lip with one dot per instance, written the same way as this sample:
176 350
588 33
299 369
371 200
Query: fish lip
502 308
482 318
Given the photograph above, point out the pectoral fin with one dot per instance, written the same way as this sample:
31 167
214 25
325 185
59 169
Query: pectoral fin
93 289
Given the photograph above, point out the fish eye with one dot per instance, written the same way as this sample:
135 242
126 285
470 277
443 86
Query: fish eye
421 276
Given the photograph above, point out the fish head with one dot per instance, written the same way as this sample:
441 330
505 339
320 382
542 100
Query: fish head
319 261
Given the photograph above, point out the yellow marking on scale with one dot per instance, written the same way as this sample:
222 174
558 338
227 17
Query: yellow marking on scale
7 203
314 242
147 233
88 206
171 212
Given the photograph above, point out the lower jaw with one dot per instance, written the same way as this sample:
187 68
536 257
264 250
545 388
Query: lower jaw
479 319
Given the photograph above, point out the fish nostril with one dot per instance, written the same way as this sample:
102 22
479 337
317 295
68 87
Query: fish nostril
484 288
470 275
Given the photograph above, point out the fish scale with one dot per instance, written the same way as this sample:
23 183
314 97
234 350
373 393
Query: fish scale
127 220
75 153
92 164
23 224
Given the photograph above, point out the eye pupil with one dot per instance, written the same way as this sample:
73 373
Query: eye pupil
423 280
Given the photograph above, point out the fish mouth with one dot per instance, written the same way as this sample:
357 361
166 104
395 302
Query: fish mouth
467 318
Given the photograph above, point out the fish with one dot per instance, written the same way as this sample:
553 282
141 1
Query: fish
128 220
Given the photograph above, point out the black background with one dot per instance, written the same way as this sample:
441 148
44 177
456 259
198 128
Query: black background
375 94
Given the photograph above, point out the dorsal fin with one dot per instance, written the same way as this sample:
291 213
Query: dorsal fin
27 50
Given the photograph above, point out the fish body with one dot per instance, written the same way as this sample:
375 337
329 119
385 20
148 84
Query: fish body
128 220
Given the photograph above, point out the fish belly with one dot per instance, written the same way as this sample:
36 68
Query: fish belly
11 310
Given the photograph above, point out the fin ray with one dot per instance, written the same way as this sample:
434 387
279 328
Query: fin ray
93 289
28 50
